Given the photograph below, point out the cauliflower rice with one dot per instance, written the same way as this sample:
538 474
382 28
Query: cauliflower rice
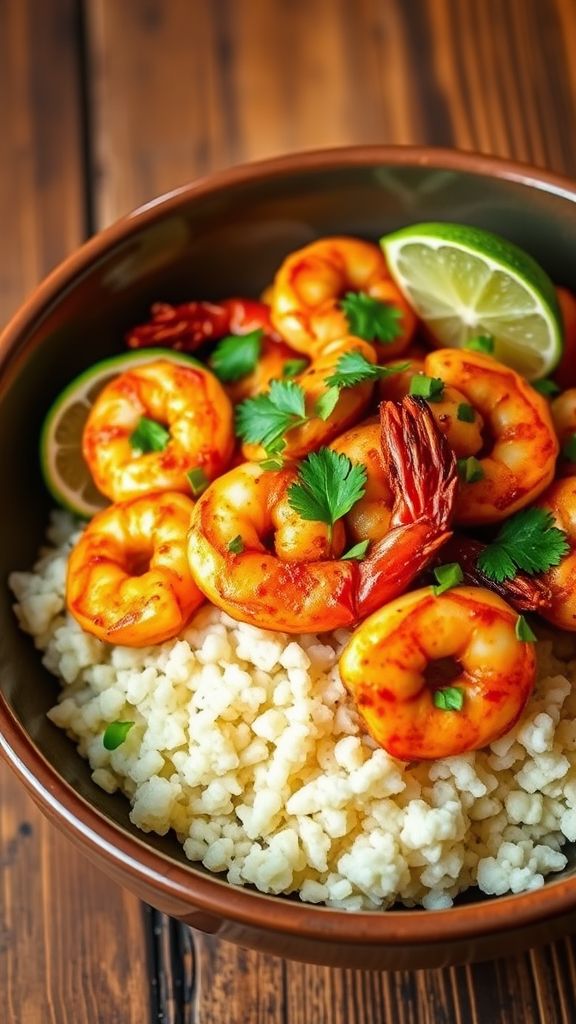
246 744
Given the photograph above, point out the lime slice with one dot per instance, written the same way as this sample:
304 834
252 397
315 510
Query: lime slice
464 282
65 472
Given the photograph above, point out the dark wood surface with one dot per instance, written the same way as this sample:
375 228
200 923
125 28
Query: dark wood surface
102 105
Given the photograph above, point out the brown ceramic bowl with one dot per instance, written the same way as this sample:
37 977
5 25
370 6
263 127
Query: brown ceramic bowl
219 236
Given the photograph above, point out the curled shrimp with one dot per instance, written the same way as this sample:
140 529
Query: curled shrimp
255 558
308 287
465 639
128 576
351 403
519 452
560 500
185 398
190 324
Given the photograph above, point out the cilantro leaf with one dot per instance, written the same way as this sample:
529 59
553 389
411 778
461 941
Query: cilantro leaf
149 436
353 368
327 487
371 319
115 734
449 698
236 355
528 541
358 551
266 418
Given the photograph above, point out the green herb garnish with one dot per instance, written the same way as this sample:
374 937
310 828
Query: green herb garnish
198 480
447 576
236 355
353 368
236 545
149 436
449 698
324 405
371 319
266 418
465 413
293 367
327 487
430 388
470 470
546 387
528 541
482 343
358 551
115 734
524 632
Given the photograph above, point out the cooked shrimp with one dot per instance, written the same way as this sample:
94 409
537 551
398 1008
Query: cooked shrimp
187 399
397 661
563 409
525 593
349 407
284 573
311 282
560 500
520 447
187 326
128 576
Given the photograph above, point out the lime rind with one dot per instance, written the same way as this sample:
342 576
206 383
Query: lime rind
83 499
464 281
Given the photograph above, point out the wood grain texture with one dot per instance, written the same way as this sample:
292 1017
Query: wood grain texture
67 935
109 104
42 210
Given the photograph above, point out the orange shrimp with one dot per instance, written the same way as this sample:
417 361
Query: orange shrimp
297 586
188 399
128 577
402 660
307 290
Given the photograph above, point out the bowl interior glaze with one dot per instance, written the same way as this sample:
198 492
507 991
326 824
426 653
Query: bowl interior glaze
213 240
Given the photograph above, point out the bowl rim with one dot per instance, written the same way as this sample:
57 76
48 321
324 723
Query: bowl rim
101 836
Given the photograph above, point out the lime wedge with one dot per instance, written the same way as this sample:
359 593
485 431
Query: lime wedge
65 472
463 282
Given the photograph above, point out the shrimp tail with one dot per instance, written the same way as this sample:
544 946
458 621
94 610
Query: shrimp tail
523 592
420 463
421 468
190 324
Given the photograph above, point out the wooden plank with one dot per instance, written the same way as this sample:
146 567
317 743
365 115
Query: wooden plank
66 932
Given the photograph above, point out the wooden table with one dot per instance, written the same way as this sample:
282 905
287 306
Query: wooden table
104 104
